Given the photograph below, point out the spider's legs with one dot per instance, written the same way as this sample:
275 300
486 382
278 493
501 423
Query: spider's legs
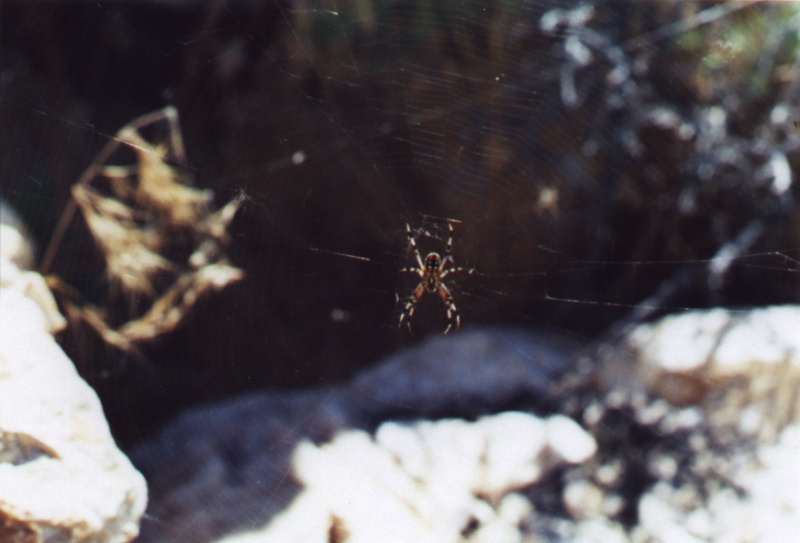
408 309
413 243
452 312
447 272
448 250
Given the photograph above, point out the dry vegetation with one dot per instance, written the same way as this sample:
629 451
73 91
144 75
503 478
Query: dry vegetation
162 243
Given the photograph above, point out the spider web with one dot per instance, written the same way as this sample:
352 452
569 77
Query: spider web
601 165
467 136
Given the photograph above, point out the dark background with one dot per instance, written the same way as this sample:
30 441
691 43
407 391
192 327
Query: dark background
590 188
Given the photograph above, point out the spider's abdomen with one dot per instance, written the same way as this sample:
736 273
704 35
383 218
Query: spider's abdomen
432 282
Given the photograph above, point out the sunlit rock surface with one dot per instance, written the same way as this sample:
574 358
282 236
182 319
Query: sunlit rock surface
424 481
62 478
761 504
686 430
281 463
718 394
738 367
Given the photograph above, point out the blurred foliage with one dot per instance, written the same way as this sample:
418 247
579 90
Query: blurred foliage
744 52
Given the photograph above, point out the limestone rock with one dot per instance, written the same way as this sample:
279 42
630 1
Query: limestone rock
62 479
762 504
739 367
228 467
16 257
16 245
386 457
718 391
288 462
424 481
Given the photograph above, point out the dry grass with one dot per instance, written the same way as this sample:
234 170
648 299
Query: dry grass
145 218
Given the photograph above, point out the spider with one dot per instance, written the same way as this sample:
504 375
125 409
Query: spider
431 272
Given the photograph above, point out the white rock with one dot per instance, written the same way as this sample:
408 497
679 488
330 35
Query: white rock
512 452
769 510
583 499
362 485
568 440
62 479
15 243
16 257
600 530
721 360
663 521
761 501
427 478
